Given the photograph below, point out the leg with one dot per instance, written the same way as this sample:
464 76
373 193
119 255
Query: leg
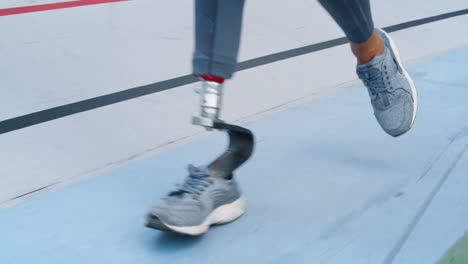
192 207
217 37
355 19
391 90
353 16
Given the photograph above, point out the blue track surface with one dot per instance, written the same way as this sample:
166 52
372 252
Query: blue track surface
325 185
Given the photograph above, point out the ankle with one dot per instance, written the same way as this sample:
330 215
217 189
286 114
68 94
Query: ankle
367 50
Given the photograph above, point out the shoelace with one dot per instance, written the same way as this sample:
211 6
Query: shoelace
375 81
195 183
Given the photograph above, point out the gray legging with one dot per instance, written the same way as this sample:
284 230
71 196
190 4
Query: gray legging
218 27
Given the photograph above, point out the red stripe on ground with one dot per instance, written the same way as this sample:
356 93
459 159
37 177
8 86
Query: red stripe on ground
45 7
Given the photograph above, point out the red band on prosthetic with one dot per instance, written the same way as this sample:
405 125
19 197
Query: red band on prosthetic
212 78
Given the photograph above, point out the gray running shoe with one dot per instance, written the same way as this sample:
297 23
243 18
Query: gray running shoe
391 90
201 201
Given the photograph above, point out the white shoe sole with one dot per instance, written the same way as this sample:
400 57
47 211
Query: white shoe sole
408 77
222 215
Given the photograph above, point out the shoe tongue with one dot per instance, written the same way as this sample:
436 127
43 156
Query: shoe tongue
191 168
374 63
194 172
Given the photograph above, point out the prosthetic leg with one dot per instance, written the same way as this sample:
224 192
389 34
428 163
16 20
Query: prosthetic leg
241 140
